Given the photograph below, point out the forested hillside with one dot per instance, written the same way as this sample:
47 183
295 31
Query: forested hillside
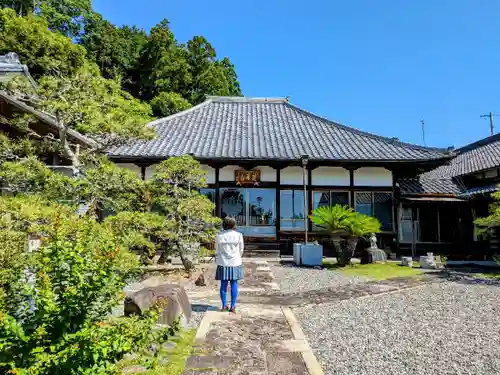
59 37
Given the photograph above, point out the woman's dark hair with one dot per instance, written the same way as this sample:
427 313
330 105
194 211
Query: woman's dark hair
228 223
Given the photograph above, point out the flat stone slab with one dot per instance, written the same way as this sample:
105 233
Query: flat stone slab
286 363
287 346
209 362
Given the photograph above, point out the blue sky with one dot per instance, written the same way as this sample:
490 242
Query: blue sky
377 65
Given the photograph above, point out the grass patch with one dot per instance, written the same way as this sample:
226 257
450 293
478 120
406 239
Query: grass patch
492 275
377 271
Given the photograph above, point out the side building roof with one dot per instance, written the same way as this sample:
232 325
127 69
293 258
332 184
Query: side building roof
475 157
10 66
266 129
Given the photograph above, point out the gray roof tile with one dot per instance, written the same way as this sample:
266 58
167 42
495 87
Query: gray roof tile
425 186
475 157
478 156
10 67
245 128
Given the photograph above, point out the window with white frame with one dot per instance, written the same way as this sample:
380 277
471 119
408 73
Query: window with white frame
376 204
292 209
323 198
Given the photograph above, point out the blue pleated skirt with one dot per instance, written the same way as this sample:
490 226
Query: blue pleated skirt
229 273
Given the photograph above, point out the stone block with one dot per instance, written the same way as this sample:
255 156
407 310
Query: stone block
175 296
407 261
135 369
428 262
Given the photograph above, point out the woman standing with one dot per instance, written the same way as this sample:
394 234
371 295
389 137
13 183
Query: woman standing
228 252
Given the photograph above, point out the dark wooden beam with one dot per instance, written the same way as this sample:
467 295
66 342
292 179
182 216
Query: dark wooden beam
351 187
395 206
143 172
309 198
278 204
218 211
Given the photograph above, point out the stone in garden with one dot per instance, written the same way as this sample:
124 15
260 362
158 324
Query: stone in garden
177 303
377 255
373 241
135 369
407 261
428 262
169 345
153 349
200 281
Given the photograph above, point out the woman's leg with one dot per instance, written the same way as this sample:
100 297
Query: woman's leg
234 293
223 292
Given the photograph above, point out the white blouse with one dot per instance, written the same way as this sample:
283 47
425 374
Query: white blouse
229 248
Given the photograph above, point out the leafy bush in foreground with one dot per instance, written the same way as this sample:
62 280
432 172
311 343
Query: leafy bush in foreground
56 301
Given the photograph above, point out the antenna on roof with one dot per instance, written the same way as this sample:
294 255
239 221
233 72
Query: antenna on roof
423 131
490 115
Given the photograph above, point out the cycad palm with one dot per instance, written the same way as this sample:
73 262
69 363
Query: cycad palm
359 226
341 221
333 219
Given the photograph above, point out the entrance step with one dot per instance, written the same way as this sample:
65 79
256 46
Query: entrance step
261 253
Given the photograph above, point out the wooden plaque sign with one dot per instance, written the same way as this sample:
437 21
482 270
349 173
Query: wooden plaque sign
243 177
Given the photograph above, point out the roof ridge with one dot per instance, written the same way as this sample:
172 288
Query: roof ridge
477 144
393 140
245 99
169 117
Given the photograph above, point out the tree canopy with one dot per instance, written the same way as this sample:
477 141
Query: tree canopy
59 37
43 51
65 16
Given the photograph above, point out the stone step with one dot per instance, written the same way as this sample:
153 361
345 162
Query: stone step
261 253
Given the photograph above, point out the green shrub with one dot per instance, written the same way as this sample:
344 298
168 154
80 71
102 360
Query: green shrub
55 306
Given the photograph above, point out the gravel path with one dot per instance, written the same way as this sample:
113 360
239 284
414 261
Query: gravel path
296 279
447 328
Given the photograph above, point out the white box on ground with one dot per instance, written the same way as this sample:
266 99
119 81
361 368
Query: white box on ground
312 254
297 256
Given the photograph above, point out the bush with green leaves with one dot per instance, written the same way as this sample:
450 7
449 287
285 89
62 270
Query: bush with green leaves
344 224
189 219
487 226
55 302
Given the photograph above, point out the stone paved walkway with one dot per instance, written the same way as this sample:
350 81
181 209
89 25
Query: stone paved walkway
264 338
258 340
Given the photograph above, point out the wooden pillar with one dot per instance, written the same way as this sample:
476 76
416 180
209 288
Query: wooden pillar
278 203
143 172
395 214
309 198
218 208
351 189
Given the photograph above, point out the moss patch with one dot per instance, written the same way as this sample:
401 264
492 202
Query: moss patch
176 356
492 275
377 271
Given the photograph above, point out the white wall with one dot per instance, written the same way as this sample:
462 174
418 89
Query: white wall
210 173
372 176
335 176
132 167
149 171
292 176
267 174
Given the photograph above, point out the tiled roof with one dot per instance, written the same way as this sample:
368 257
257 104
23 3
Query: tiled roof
478 156
48 120
10 66
266 129
425 186
479 190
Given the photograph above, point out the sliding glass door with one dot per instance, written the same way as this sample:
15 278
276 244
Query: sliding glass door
249 206
233 203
